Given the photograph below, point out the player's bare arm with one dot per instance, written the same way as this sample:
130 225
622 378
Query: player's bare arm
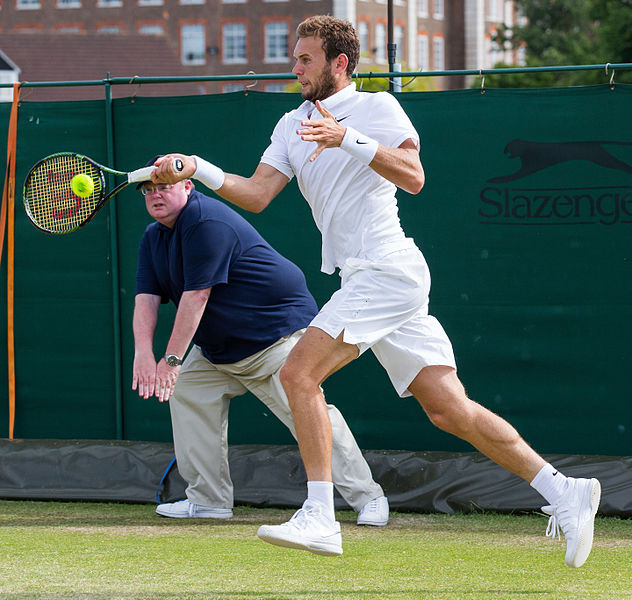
190 310
252 193
144 324
400 166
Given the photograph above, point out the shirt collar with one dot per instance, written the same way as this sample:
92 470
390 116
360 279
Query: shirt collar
329 103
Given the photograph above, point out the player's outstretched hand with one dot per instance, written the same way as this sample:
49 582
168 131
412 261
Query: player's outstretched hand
166 172
326 132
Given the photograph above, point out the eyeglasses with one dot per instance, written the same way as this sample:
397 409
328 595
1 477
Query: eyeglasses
152 189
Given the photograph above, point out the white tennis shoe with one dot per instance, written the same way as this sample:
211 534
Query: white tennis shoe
575 515
183 509
308 529
374 512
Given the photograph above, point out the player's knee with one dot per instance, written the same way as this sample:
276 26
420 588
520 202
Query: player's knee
453 415
292 378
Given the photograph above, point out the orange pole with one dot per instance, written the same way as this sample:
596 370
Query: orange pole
7 217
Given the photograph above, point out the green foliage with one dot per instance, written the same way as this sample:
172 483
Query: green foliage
568 32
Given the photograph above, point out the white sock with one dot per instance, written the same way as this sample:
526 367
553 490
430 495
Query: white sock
323 493
551 483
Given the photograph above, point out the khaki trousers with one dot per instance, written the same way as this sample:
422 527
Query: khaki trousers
199 414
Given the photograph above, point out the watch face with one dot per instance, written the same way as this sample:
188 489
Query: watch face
173 360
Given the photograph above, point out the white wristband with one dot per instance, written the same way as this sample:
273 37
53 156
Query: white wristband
359 146
208 174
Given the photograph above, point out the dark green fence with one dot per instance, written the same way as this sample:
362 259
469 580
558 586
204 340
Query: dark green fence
525 220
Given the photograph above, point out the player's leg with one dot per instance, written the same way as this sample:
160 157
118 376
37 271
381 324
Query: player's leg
316 356
419 360
314 528
351 474
199 416
573 502
442 396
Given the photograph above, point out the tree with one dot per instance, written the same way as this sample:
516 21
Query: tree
568 32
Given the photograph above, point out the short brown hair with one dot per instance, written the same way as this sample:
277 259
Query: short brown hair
339 37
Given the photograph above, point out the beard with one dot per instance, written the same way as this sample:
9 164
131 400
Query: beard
322 88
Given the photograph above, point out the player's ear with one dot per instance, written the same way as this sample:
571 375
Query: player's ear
342 60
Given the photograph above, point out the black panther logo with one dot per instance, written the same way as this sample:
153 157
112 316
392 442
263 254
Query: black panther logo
535 156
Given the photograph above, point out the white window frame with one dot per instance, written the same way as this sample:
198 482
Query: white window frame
109 29
146 29
68 4
422 9
438 53
234 60
423 52
28 5
198 48
438 9
380 44
273 43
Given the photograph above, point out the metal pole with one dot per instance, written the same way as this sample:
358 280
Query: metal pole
390 46
114 257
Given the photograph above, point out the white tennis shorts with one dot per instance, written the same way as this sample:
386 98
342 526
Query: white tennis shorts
383 305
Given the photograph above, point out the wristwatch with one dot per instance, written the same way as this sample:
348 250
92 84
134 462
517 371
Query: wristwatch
172 360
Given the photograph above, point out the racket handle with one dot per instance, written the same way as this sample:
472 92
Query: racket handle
145 173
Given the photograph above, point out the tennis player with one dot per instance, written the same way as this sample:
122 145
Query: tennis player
349 152
244 306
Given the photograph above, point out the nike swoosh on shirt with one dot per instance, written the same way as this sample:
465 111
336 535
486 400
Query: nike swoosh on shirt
342 118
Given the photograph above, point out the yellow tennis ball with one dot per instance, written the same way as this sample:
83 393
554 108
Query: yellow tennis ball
82 185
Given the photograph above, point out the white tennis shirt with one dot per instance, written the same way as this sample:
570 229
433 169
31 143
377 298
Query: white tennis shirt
354 208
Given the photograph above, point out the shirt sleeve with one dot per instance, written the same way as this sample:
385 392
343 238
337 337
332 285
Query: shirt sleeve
146 280
276 154
208 249
393 129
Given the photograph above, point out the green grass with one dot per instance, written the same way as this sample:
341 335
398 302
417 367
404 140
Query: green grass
52 550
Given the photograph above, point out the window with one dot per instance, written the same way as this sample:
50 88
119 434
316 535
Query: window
68 29
363 34
108 29
276 42
150 2
398 39
495 12
109 3
275 87
233 87
27 5
233 1
380 43
151 29
439 10
438 53
68 3
192 1
423 61
234 43
422 8
193 44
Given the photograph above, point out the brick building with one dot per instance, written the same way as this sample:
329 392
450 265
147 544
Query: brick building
234 37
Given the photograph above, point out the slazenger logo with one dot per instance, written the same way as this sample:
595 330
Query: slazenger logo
560 205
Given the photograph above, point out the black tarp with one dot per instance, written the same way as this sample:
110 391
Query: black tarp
269 476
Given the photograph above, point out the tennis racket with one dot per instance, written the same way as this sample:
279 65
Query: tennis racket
50 202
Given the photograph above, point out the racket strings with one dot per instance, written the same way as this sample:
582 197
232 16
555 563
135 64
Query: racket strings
49 198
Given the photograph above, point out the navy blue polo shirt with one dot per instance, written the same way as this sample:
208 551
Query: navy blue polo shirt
257 295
